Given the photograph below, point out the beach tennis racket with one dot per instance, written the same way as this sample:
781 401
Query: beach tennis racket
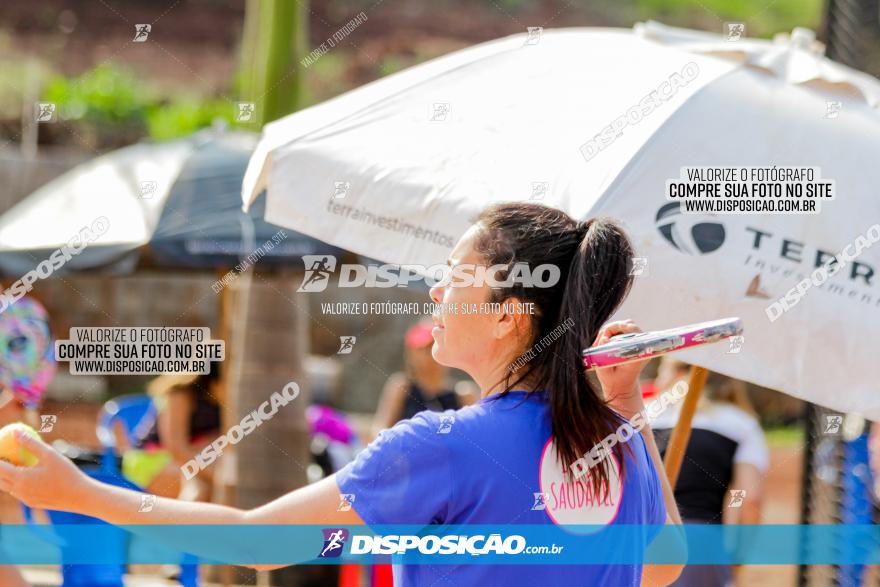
636 346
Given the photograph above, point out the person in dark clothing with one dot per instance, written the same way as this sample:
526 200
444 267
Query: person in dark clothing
722 476
423 386
187 419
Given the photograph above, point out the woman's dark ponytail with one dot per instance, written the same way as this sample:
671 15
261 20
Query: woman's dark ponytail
594 258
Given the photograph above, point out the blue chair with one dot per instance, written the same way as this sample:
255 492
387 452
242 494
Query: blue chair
136 412
82 575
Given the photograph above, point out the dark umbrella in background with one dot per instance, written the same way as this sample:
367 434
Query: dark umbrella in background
174 204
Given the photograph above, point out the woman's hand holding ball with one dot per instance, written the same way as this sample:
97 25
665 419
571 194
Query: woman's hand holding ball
35 473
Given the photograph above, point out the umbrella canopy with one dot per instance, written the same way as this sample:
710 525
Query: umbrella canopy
595 121
174 204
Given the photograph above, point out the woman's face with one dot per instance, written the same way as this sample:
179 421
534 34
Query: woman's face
467 337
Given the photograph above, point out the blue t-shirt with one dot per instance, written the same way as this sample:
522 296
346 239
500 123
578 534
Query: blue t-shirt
484 464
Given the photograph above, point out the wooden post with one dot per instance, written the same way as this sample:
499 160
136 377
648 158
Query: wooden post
224 487
678 441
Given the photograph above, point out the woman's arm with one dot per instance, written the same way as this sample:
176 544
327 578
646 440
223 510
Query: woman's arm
55 483
10 577
749 479
621 388
750 464
620 385
657 574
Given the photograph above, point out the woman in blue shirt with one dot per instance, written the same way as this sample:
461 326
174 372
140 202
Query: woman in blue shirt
486 463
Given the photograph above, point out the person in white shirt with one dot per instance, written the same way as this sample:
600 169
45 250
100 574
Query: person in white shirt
722 475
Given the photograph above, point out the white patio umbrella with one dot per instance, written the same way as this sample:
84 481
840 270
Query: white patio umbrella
396 169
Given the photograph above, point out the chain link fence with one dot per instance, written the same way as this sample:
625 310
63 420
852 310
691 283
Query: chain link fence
837 489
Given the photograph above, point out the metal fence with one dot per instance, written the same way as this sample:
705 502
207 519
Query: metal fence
837 484
837 489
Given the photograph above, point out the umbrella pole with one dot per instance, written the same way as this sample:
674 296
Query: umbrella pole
682 432
224 489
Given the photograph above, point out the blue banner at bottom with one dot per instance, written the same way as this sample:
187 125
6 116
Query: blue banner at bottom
417 545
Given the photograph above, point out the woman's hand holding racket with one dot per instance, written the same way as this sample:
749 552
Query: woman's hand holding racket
620 382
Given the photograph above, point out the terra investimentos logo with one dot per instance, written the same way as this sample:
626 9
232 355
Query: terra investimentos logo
688 233
774 261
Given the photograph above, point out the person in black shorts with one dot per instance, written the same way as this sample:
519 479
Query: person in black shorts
187 419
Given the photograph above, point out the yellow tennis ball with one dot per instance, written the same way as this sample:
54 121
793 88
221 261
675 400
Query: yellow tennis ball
11 451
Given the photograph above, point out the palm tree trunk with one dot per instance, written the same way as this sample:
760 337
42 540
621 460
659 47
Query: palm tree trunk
268 341
275 38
